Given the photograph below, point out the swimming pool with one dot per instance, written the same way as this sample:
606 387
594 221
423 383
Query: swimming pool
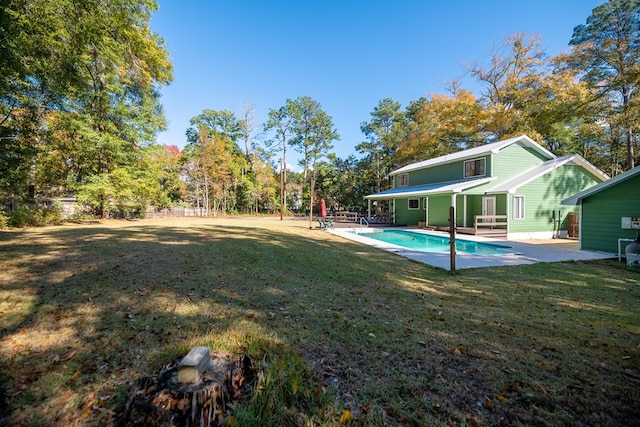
429 243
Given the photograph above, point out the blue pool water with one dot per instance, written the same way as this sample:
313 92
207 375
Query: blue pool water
430 243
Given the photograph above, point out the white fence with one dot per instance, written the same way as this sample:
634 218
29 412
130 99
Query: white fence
173 211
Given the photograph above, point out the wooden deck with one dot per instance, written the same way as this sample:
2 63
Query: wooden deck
484 225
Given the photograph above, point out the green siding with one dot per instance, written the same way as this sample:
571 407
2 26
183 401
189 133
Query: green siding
542 197
439 210
512 161
405 216
601 213
474 207
442 173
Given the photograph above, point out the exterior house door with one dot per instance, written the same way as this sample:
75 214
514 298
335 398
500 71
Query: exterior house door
573 225
489 205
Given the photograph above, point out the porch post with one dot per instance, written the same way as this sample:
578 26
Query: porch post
453 205
369 208
464 210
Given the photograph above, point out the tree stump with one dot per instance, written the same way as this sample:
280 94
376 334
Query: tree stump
160 400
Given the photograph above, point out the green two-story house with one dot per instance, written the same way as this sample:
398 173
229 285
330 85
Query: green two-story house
510 188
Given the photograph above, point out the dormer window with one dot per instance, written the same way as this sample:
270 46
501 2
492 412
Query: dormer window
475 167
403 180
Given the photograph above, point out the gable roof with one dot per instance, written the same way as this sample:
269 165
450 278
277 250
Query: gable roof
494 147
576 199
512 184
449 187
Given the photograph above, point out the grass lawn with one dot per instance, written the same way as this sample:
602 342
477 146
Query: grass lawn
336 326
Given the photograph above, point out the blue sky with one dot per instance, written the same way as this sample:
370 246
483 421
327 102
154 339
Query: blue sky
347 55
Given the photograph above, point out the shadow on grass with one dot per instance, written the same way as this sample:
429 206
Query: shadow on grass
87 309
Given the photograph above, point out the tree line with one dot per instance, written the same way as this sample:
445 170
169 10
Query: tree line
80 110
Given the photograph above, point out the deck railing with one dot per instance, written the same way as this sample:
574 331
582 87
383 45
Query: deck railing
491 224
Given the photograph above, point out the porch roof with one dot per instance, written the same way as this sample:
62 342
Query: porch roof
448 187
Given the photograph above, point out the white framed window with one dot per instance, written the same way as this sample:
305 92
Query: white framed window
413 204
475 167
518 207
403 180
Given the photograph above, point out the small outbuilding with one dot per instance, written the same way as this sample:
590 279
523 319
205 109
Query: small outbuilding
609 213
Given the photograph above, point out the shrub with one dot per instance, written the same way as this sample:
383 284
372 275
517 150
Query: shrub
4 220
26 216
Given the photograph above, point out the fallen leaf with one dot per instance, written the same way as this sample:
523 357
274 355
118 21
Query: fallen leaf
85 414
68 355
502 399
346 416
489 404
473 421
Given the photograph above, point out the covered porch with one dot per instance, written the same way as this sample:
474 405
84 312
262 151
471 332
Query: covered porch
427 206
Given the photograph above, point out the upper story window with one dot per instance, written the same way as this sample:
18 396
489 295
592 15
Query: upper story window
475 167
403 180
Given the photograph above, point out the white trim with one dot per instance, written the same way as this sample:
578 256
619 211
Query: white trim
486 199
425 207
512 184
464 210
486 149
515 207
576 199
475 175
432 188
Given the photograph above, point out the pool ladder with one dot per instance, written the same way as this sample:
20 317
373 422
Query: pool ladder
364 220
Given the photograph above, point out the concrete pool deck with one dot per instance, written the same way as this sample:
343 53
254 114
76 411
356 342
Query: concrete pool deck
527 251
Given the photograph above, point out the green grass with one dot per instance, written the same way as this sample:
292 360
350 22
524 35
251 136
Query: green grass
335 326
